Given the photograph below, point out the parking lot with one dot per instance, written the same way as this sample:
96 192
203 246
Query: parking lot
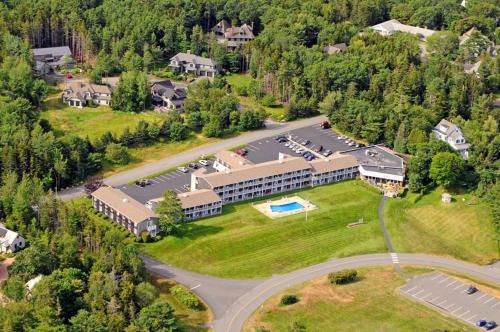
448 294
263 150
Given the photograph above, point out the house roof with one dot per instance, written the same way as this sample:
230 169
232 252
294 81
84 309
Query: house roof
53 51
197 198
337 48
7 236
232 159
168 90
447 126
78 89
394 25
221 27
251 172
377 156
123 204
334 163
244 31
191 58
32 282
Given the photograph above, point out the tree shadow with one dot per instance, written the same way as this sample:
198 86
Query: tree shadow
194 231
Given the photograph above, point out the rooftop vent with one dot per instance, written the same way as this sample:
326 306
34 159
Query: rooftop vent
125 200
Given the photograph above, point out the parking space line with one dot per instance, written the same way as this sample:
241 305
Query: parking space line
415 295
458 309
471 318
449 307
446 278
434 299
451 283
437 276
465 313
409 290
479 298
461 285
493 306
177 190
423 297
489 300
441 303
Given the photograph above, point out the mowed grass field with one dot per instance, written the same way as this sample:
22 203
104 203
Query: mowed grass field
243 243
371 304
462 229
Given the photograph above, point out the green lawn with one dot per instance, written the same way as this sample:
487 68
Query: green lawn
461 229
371 304
91 121
243 243
276 113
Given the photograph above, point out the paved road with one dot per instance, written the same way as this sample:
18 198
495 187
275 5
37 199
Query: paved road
233 301
272 129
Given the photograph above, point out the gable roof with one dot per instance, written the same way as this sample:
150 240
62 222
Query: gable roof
331 49
221 27
446 127
333 163
123 204
198 197
191 58
394 25
244 31
78 89
54 51
7 236
232 159
168 90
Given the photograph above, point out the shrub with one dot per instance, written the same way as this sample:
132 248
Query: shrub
241 90
289 299
145 237
184 296
343 277
117 154
268 101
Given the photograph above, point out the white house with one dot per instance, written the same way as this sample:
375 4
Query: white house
388 28
10 241
79 94
193 64
451 134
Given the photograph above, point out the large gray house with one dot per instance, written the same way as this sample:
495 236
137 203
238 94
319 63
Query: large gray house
51 58
194 64
166 95
78 94
233 36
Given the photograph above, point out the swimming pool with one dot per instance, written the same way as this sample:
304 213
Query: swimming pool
294 206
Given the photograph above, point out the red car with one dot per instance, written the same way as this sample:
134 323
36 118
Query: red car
242 152
69 76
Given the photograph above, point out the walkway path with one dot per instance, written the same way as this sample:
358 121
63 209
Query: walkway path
233 301
272 129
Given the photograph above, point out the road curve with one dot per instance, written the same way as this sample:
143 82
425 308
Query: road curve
232 301
272 129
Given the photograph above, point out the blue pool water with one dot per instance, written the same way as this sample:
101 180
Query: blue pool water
286 207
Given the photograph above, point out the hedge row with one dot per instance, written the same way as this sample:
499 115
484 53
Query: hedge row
184 296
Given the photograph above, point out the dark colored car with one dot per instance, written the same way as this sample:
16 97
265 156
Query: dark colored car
142 183
282 140
279 137
481 323
471 290
490 325
306 142
326 125
319 148
193 165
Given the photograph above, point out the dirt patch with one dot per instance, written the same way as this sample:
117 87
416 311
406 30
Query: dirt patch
321 290
3 268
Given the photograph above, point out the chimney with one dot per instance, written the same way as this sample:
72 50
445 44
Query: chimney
251 25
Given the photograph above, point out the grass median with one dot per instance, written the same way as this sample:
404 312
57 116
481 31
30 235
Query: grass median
243 243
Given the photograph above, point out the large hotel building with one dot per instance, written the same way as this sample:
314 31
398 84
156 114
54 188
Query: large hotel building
237 179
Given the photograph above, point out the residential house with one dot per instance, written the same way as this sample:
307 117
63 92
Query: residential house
125 211
79 94
388 28
336 48
10 241
451 134
166 95
52 58
194 65
233 36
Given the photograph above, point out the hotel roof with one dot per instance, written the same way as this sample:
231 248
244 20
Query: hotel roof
197 198
251 172
123 204
334 163
232 159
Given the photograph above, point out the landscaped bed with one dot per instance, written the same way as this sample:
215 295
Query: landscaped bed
370 304
243 243
462 228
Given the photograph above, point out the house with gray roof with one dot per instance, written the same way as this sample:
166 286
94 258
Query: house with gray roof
336 48
194 64
52 58
166 95
451 134
79 94
233 36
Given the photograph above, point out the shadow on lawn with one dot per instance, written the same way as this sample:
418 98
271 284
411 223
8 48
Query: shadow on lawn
194 231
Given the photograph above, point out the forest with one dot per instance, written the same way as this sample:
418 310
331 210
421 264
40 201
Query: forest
380 90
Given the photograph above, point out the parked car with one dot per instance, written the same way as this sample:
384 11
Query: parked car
490 325
183 169
140 183
310 157
242 152
282 140
326 125
306 142
319 148
69 76
341 137
287 144
193 165
327 153
291 146
187 187
277 138
471 290
299 150
204 162
351 144
481 323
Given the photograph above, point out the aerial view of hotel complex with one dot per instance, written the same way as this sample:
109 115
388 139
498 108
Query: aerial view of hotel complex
252 165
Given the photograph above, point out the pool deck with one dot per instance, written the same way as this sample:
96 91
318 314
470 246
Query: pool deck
265 208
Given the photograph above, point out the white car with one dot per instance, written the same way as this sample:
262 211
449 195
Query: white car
204 162
287 144
299 151
292 146
183 169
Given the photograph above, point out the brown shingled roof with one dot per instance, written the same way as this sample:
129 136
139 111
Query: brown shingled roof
197 198
334 163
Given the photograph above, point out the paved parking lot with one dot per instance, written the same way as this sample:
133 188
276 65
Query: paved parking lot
447 294
263 150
